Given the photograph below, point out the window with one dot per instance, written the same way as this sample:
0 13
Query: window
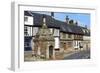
80 36
25 18
27 44
64 35
69 44
83 30
51 31
56 32
74 36
69 35
25 30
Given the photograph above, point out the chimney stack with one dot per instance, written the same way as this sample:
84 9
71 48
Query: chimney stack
76 23
44 26
71 22
67 19
44 19
52 14
85 26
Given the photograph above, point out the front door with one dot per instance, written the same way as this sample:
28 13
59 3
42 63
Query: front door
50 52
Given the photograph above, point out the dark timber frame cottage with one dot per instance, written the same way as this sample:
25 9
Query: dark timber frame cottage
48 37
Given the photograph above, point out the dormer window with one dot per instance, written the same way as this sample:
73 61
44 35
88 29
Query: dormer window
26 19
64 35
87 31
69 35
84 30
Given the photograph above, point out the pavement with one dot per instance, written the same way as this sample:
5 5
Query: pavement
84 54
76 54
28 57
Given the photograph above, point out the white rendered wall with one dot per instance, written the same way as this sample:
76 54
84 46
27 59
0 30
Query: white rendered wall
30 20
86 37
56 42
56 32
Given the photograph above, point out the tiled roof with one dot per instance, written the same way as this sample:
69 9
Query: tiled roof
53 23
27 13
38 21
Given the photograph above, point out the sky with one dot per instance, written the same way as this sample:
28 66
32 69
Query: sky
82 18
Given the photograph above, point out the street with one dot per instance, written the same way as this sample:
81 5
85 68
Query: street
79 55
83 54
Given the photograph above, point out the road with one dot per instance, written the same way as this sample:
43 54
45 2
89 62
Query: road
79 55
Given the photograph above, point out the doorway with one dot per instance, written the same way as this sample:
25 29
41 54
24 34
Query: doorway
50 52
